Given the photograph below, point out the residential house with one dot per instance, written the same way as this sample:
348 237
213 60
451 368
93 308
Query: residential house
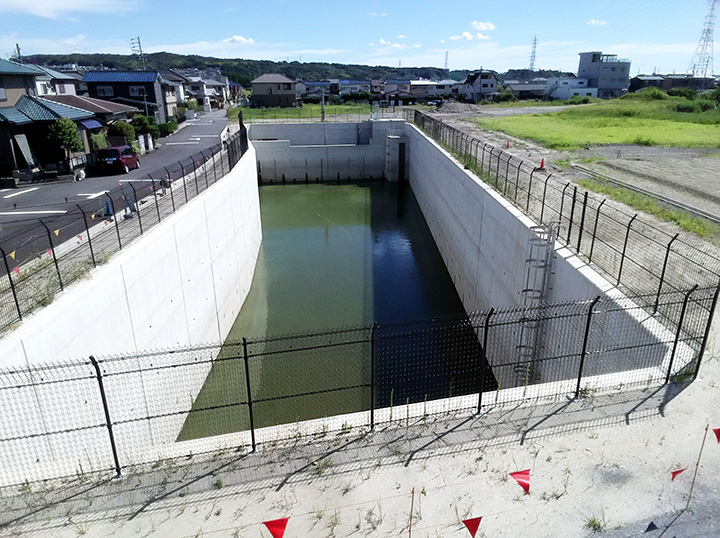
688 81
646 81
144 89
105 111
218 92
177 81
377 88
397 86
16 80
447 88
423 90
525 90
606 72
24 134
480 86
353 86
566 87
313 89
273 90
51 82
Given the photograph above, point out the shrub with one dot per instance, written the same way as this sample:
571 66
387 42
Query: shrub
685 107
167 128
311 100
507 96
99 141
146 124
687 93
651 93
578 100
122 128
192 104
706 104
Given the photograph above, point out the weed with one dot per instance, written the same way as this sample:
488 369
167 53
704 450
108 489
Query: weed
321 466
346 428
333 521
346 488
596 524
219 483
319 513
374 518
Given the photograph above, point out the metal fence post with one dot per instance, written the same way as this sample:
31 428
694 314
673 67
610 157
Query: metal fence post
246 360
497 168
486 328
372 375
583 353
197 189
517 180
582 221
12 284
87 231
679 330
137 208
527 205
108 422
597 218
622 259
562 204
52 249
212 156
157 204
507 171
205 167
482 159
662 275
542 209
117 225
184 180
707 330
168 185
572 214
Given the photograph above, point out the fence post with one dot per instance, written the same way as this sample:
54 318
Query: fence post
597 218
662 275
117 225
157 204
222 166
707 330
572 214
87 231
372 375
52 249
205 167
507 171
137 210
584 346
184 180
527 205
497 169
249 394
679 330
482 159
517 180
582 221
108 422
622 259
167 184
12 284
197 189
212 156
562 205
486 328
542 209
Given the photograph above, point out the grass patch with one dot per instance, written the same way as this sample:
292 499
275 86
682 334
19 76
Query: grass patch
621 121
687 222
307 111
568 162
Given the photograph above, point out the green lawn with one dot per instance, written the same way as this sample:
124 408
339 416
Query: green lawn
307 111
622 121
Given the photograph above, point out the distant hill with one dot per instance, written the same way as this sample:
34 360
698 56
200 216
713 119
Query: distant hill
243 71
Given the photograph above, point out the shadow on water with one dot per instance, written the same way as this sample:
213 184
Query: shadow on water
340 255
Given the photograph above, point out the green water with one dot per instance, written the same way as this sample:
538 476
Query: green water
332 256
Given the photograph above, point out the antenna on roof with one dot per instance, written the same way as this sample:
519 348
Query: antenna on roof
18 55
136 48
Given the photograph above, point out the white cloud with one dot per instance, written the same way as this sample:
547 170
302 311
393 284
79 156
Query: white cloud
417 45
399 46
483 26
482 36
371 44
465 35
51 9
240 39
401 36
383 42
375 14
442 41
595 22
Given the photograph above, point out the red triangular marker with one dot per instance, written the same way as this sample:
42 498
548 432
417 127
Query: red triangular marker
17 270
277 526
675 473
472 525
523 478
716 431
49 252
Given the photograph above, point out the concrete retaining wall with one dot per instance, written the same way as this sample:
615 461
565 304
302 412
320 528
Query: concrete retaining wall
180 284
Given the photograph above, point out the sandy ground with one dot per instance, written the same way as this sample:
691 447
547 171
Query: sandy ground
601 459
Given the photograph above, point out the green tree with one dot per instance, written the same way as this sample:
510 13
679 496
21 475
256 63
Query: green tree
65 134
122 128
146 124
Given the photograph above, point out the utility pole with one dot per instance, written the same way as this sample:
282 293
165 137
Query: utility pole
702 61
18 55
136 48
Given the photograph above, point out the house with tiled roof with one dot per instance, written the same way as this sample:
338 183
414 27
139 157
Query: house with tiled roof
273 90
145 90
16 80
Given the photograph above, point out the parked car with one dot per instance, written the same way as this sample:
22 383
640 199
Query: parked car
117 160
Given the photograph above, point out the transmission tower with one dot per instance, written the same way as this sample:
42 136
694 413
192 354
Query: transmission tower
702 61
532 54
136 48
446 60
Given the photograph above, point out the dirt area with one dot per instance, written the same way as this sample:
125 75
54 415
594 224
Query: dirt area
689 175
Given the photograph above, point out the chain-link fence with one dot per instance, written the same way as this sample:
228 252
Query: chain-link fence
630 250
43 256
108 414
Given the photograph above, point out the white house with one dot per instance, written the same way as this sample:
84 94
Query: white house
565 88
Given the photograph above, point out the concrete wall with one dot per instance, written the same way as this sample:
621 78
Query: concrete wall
322 151
181 284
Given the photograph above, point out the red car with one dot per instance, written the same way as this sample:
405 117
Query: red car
117 160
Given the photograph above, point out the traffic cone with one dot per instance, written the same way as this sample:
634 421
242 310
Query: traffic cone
542 164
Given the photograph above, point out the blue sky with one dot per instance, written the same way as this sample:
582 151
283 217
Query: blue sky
498 35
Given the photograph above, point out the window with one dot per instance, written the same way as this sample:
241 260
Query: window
589 94
269 90
61 88
105 91
565 83
195 88
286 86
581 83
137 91
485 85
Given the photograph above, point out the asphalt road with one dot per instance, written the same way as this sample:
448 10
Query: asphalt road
21 209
